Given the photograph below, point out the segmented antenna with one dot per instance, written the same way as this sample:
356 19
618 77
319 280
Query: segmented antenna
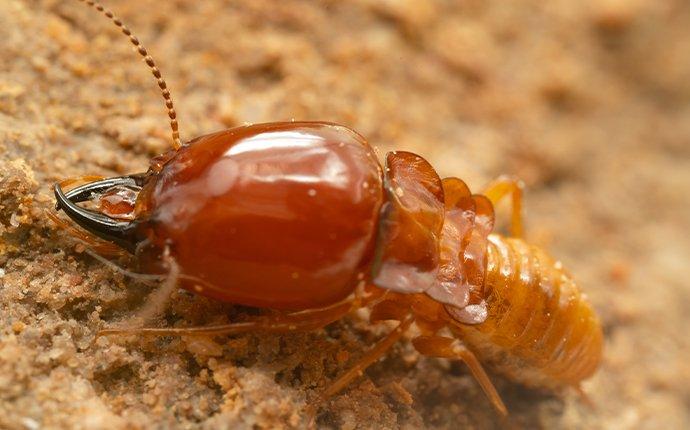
149 62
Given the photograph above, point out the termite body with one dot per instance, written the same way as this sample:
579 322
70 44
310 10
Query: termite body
301 217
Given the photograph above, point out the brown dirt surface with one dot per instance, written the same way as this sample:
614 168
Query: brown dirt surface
587 101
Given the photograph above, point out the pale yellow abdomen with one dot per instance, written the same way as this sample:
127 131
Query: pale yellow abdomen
540 331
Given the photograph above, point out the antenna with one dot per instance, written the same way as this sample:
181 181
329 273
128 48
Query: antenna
149 62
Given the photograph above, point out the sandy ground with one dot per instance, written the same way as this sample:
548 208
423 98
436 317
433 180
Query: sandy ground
587 101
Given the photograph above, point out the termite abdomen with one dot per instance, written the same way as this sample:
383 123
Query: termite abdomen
540 331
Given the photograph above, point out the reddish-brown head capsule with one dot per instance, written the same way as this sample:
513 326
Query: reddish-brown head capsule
281 215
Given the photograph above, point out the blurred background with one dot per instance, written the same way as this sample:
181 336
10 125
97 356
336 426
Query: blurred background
587 101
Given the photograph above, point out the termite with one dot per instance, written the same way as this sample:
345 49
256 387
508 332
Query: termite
301 218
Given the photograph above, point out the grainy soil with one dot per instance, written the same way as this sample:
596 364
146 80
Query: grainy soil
587 101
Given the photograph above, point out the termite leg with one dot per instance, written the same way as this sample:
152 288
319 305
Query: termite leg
500 188
388 310
446 347
101 247
282 323
158 300
79 180
357 370
385 310
141 277
301 321
584 397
